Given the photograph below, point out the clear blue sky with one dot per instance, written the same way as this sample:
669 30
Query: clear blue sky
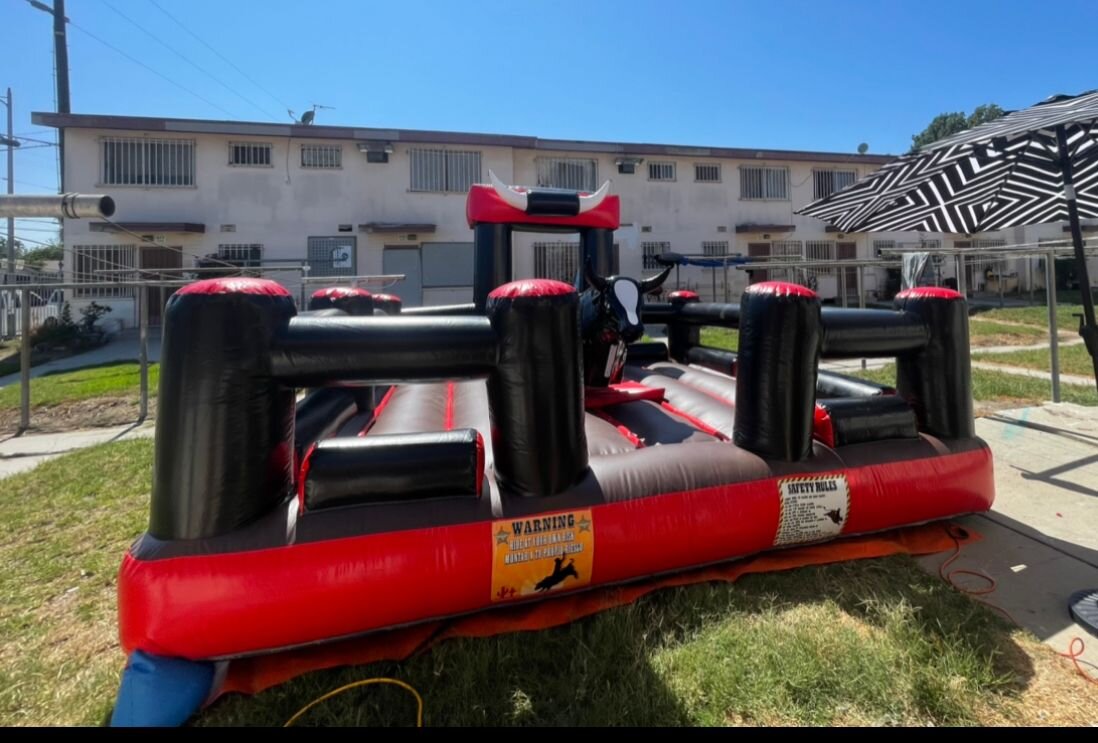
818 75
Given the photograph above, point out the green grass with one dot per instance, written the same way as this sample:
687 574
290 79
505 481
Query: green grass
726 338
991 386
1073 359
869 641
113 379
1036 316
985 332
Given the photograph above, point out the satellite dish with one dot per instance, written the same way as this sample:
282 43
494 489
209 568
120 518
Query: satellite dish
863 148
307 118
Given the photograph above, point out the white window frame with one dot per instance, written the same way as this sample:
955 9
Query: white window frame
651 249
252 157
87 259
436 170
769 178
134 161
233 251
714 248
698 167
661 170
584 175
825 181
327 156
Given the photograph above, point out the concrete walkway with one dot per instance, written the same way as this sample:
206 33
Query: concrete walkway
21 453
124 347
1073 379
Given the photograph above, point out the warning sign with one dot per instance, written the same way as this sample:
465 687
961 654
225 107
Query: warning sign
542 554
813 508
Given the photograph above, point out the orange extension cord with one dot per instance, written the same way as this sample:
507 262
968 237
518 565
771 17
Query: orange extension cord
1076 647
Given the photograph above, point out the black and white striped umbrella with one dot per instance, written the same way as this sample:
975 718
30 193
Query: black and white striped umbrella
1032 166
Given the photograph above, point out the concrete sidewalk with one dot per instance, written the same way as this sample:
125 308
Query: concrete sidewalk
124 347
21 453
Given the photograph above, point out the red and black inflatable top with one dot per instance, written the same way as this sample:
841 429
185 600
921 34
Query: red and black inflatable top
498 203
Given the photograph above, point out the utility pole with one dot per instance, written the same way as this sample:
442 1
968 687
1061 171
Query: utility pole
61 61
11 188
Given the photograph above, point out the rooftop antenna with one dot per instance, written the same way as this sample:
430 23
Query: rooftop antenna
307 117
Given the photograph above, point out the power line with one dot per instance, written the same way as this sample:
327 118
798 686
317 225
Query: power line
225 59
136 61
32 185
189 61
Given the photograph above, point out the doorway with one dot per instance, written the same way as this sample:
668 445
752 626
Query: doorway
849 252
154 258
758 250
405 260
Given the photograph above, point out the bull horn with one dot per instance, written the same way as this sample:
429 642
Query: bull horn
587 203
508 194
596 282
655 282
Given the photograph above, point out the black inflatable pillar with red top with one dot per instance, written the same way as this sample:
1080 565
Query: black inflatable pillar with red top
937 379
535 394
225 428
779 349
681 336
387 304
352 300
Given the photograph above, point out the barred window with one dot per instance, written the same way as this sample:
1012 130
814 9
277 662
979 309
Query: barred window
715 249
449 171
651 250
250 154
323 156
658 171
827 182
578 174
138 161
763 184
89 259
556 260
248 255
708 173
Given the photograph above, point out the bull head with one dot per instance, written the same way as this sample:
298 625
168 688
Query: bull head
548 202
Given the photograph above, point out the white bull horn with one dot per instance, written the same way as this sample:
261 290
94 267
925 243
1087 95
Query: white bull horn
587 203
512 197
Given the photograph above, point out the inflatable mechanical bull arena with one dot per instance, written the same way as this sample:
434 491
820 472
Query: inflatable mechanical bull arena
359 466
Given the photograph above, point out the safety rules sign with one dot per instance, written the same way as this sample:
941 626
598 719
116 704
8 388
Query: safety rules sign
813 508
542 554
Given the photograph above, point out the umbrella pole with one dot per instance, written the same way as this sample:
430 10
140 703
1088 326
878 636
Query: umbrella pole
1088 329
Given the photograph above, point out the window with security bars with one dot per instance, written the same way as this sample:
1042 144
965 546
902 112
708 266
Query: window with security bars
140 161
447 171
331 256
708 173
785 251
577 174
556 260
827 182
650 251
322 156
247 255
89 260
658 171
715 249
250 154
763 184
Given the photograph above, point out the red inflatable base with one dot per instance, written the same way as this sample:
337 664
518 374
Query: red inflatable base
241 603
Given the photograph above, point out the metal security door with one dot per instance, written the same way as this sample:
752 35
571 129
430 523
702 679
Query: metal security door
154 258
405 260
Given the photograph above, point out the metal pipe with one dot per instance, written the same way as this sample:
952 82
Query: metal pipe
25 363
64 206
1053 327
143 346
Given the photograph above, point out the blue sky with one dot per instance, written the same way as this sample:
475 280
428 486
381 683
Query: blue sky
787 74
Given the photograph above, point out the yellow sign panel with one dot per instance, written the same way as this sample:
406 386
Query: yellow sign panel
542 554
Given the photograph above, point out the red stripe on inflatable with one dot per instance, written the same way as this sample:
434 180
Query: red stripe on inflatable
695 422
531 288
302 474
448 416
683 295
236 286
260 600
484 205
600 397
623 429
822 428
781 289
929 292
377 411
480 464
341 291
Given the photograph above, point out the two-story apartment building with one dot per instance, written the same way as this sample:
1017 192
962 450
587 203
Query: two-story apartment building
347 201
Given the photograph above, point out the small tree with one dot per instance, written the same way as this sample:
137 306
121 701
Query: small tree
944 125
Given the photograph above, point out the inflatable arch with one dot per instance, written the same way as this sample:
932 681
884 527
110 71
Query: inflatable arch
451 460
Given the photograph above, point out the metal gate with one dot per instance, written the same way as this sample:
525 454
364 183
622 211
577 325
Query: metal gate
332 256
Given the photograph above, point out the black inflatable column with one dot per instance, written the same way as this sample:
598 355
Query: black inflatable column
536 393
937 380
682 336
597 250
491 260
225 428
776 370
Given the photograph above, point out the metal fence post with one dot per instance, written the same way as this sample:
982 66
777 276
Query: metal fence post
143 344
25 363
1053 327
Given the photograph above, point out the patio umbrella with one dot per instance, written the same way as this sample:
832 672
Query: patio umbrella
1031 166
